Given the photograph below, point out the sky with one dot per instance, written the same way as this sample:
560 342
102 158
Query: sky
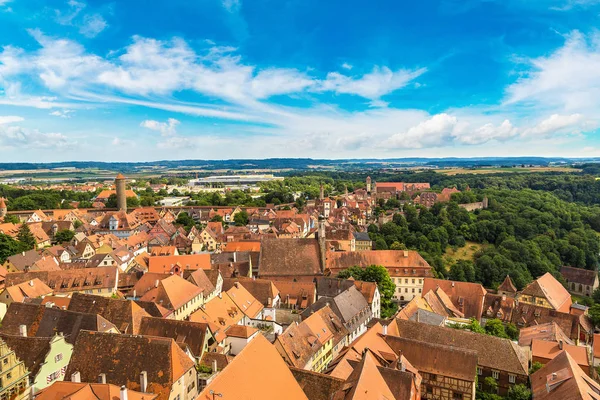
219 79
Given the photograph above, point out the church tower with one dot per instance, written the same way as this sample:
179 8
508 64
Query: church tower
3 208
368 184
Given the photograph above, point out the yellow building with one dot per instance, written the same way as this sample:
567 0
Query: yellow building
546 292
14 377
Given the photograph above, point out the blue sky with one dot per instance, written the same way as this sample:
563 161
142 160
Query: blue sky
211 79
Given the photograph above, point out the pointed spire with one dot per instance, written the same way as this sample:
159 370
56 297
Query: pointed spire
507 286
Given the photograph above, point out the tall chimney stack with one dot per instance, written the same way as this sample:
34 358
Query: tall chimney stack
76 377
143 381
123 393
121 196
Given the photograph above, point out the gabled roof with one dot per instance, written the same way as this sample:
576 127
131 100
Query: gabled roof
201 279
62 390
261 289
172 292
562 379
579 275
249 305
164 264
123 357
549 331
391 259
548 350
290 257
507 286
548 287
193 334
126 315
42 321
31 350
350 305
70 280
492 352
246 375
467 297
32 289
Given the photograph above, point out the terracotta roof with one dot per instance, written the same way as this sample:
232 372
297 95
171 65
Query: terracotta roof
528 315
31 350
300 342
467 297
436 359
173 292
290 257
223 360
317 386
563 379
549 331
397 262
304 294
244 300
105 194
123 357
579 275
246 375
62 390
201 279
66 281
549 288
507 285
147 282
164 264
241 331
42 321
221 311
31 289
153 309
261 289
125 314
253 245
497 306
492 352
193 334
548 350
163 251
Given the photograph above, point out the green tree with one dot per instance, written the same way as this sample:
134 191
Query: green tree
216 218
9 247
380 275
77 224
26 237
536 366
241 218
184 219
494 327
64 236
491 384
10 218
512 331
518 392
594 314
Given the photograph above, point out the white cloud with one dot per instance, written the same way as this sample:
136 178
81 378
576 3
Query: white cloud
379 82
347 66
10 119
23 138
62 113
566 124
168 128
92 25
232 5
568 79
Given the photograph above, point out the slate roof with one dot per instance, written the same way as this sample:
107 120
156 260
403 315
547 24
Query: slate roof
290 257
123 357
350 306
492 352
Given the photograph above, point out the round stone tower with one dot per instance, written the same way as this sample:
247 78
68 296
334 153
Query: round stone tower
121 196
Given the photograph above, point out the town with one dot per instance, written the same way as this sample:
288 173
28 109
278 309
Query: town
338 296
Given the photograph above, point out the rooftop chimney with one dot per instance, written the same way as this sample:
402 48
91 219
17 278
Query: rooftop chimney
405 253
76 377
234 256
385 329
31 283
123 393
560 344
102 378
214 366
23 330
143 381
156 283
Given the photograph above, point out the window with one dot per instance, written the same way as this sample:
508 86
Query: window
8 376
495 374
457 396
512 378
479 371
413 290
429 390
58 357
413 281
433 377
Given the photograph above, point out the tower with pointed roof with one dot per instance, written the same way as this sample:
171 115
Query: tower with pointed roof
3 208
121 196
507 288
